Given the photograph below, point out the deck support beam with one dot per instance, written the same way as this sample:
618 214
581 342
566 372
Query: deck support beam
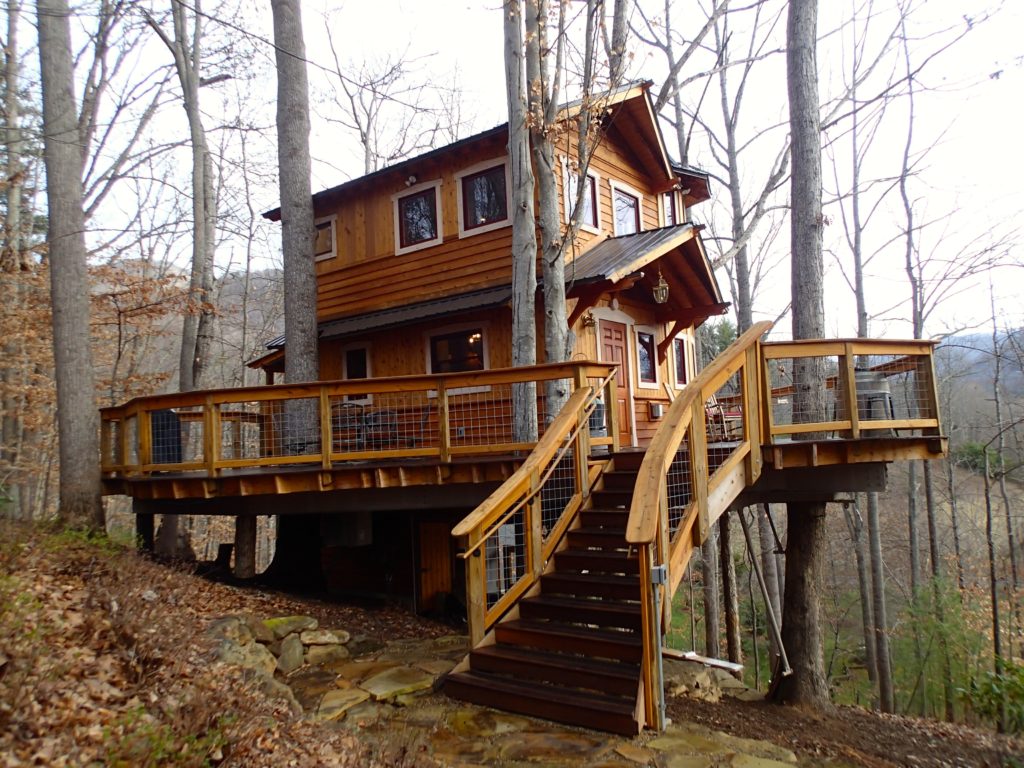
245 546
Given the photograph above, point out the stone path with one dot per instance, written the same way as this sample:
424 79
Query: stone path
387 693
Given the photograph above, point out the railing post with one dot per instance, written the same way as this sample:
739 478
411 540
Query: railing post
750 380
145 428
848 389
648 623
476 591
125 443
211 435
767 409
926 369
443 426
326 436
699 466
534 512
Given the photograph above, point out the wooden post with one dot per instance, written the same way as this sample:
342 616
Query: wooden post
124 444
699 466
443 426
325 430
145 439
750 381
534 521
768 424
144 531
245 546
647 624
476 592
211 430
611 412
848 388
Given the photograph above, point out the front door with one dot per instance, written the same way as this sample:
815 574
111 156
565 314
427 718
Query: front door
435 565
615 349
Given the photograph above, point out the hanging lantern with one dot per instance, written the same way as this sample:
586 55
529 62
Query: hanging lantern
660 290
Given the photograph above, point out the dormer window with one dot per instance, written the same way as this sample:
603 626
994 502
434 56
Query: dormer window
417 224
483 192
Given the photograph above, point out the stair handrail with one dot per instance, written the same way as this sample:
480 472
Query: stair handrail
520 491
648 528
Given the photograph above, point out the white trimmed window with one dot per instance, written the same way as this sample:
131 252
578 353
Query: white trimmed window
627 209
417 212
483 194
646 357
679 361
325 244
590 217
669 209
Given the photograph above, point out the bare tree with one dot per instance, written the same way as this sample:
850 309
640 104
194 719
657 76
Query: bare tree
78 419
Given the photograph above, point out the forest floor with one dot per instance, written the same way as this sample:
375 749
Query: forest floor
105 660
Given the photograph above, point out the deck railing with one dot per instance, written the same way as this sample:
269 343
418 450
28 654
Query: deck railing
509 538
316 424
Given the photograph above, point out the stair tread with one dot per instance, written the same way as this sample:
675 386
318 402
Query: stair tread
594 578
569 697
573 630
595 666
594 604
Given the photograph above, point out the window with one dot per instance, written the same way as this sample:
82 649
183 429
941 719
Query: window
324 243
589 220
626 208
679 356
356 365
669 206
417 224
458 351
646 358
483 198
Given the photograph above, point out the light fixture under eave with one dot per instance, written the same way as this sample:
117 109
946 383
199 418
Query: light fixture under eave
660 290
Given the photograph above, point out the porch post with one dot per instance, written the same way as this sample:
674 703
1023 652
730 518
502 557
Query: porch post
245 546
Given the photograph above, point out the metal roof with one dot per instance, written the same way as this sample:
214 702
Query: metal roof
398 316
615 257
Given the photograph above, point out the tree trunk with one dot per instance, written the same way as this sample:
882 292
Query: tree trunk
297 555
801 622
77 417
886 695
855 525
524 237
709 575
730 592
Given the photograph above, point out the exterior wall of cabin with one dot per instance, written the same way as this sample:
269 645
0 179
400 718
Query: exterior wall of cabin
363 273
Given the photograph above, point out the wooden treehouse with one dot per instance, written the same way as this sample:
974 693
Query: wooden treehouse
401 467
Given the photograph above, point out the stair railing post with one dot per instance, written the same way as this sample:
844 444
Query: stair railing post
476 590
611 412
659 583
699 466
648 625
750 381
534 521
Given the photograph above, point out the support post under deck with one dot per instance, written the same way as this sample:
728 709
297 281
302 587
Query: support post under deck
245 546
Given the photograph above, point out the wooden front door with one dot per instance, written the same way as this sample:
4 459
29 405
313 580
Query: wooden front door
435 579
615 349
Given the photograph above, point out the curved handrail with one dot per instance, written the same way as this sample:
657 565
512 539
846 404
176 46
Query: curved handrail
643 513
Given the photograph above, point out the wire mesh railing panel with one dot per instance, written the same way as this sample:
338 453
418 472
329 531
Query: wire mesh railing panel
679 483
794 403
395 420
505 557
481 417
290 427
112 443
558 490
242 430
892 387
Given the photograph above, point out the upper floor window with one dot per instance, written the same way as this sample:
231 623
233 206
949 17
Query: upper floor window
457 351
626 206
589 220
324 242
417 220
483 197
669 207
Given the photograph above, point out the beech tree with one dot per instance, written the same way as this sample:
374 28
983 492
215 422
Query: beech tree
77 417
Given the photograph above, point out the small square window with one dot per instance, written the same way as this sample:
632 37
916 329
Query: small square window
323 243
457 352
417 218
484 198
679 355
357 366
647 361
627 212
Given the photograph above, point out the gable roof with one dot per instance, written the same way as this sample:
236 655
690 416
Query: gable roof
642 131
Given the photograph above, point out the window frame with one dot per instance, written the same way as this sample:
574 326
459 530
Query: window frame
669 200
678 342
365 346
652 332
333 221
417 189
474 170
445 330
595 183
617 187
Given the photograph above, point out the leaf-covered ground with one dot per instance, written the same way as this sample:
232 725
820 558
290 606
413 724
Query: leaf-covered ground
104 661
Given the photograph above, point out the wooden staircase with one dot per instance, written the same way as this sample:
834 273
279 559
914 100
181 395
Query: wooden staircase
571 652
